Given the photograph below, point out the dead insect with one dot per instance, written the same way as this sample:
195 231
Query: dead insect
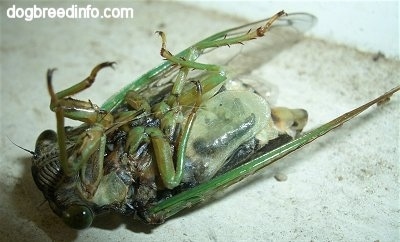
169 140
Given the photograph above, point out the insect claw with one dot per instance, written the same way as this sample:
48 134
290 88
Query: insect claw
49 84
99 67
112 64
163 39
50 72
262 30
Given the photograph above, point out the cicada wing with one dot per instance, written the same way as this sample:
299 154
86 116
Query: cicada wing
242 59
168 207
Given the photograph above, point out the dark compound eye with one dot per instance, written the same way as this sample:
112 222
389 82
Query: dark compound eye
45 138
78 216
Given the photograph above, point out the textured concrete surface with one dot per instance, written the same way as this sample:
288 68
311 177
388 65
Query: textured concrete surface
343 187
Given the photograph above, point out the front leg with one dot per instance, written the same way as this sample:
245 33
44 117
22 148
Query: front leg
84 111
93 137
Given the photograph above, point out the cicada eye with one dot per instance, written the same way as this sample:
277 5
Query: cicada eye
78 216
45 138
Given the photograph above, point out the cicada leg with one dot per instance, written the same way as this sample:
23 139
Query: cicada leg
93 138
217 73
170 175
75 109
199 47
160 139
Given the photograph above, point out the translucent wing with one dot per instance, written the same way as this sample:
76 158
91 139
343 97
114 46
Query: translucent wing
241 59
284 32
190 197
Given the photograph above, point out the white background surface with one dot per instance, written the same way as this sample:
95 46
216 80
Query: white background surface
343 187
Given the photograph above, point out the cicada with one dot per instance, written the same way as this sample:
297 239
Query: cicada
171 139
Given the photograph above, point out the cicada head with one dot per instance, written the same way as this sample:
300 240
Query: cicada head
58 189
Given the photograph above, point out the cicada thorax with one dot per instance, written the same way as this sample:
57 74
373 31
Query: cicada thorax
135 170
131 180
